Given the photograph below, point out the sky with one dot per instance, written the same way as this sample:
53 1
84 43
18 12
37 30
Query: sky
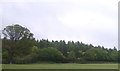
88 21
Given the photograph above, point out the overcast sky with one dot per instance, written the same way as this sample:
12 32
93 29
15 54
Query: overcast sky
88 21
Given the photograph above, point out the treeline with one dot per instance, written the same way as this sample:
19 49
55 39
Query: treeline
19 47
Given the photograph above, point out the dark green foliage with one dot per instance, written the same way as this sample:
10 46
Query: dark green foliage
50 54
5 58
71 56
19 46
17 41
119 56
96 54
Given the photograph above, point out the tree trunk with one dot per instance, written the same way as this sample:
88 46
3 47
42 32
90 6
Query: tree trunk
11 58
10 62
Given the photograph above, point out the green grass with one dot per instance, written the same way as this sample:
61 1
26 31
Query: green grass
60 66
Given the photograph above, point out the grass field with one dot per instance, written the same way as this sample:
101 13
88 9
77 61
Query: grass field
60 66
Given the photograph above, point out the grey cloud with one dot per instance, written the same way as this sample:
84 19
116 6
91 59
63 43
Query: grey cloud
41 19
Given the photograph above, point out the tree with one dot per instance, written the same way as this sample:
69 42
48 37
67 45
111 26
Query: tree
62 47
51 54
17 41
113 55
101 55
80 53
5 56
43 43
16 32
34 53
119 56
71 56
90 54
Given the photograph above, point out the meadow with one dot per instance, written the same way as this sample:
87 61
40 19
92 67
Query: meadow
60 66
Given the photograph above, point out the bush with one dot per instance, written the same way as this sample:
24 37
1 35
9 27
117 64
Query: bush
51 54
23 60
81 61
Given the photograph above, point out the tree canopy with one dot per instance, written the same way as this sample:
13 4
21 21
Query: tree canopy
19 46
17 41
